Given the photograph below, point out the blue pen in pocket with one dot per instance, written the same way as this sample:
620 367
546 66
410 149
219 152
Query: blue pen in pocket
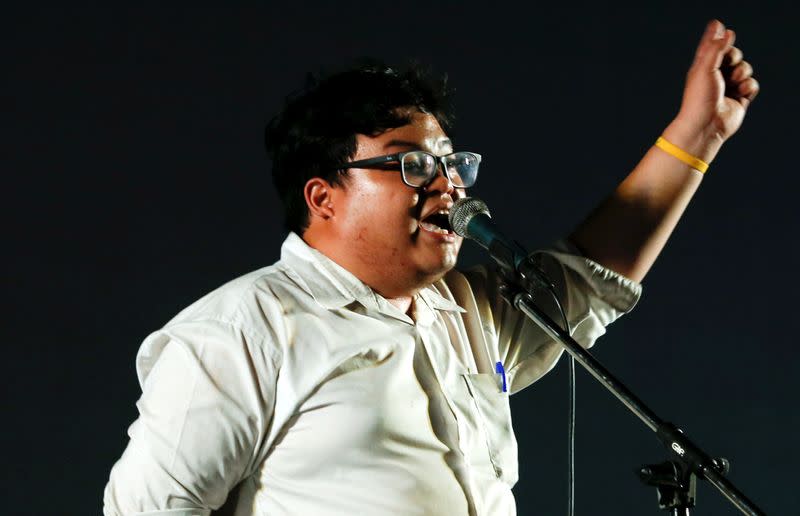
498 368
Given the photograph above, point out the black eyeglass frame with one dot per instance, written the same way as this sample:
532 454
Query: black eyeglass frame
398 157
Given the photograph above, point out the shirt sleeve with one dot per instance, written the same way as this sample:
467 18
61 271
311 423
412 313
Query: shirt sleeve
592 296
208 392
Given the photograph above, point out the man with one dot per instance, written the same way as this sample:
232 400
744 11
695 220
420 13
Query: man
357 374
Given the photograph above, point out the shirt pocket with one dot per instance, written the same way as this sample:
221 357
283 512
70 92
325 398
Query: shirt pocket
494 414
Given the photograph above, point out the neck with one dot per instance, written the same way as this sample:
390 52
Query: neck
395 287
401 303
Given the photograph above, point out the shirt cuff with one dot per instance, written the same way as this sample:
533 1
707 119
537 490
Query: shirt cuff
619 291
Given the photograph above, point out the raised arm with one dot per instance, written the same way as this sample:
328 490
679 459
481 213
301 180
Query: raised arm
627 231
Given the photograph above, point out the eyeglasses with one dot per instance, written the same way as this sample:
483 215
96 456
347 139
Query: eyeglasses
419 168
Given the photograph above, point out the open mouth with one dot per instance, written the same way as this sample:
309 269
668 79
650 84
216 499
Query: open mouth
437 223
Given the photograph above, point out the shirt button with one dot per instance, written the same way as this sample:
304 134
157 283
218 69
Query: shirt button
498 471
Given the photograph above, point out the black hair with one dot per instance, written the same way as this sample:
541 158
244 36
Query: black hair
316 129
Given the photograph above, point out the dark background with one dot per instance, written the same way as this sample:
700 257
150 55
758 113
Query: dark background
135 181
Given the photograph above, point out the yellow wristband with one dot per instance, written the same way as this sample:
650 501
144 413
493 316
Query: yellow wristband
682 155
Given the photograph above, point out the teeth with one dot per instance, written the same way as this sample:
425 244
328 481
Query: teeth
433 228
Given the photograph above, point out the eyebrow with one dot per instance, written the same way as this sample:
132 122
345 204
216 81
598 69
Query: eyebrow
415 145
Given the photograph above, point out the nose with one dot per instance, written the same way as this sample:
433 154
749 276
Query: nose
440 182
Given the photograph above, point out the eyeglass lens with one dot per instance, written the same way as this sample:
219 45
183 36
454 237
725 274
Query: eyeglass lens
419 167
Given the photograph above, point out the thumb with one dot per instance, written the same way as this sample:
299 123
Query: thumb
714 44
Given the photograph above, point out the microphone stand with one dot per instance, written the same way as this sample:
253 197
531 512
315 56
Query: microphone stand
675 479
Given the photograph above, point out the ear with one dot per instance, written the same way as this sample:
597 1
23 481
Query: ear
319 198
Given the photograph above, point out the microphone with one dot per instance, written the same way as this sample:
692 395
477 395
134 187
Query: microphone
470 218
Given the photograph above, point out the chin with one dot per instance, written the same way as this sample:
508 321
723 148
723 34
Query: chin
434 270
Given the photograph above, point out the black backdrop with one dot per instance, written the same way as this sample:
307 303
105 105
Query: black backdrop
135 181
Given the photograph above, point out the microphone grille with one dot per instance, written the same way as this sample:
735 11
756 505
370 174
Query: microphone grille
462 212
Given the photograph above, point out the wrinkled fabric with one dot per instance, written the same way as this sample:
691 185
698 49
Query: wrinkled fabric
296 389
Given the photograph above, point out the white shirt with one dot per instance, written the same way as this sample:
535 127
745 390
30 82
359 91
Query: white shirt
301 391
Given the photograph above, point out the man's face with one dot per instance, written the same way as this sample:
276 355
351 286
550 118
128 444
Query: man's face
386 224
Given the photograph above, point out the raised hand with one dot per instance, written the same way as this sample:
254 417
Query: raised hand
719 86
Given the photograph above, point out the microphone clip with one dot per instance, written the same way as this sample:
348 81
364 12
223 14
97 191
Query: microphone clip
526 275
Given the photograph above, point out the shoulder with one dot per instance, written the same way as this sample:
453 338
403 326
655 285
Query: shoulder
243 317
253 305
259 289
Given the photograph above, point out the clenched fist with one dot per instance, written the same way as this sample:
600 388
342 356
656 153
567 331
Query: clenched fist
719 87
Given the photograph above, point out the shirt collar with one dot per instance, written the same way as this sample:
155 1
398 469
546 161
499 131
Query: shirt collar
438 302
333 286
329 283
